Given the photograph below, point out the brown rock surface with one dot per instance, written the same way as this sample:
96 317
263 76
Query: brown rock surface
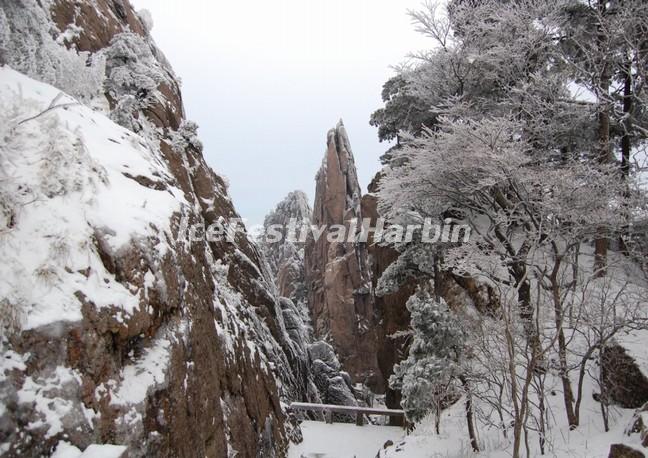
623 451
392 314
624 383
338 276
211 304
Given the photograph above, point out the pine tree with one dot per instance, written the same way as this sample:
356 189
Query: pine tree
428 377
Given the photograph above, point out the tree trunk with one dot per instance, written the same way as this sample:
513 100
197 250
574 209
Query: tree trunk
626 146
438 276
568 394
581 379
500 413
603 401
517 439
527 317
626 139
437 417
601 244
469 416
542 429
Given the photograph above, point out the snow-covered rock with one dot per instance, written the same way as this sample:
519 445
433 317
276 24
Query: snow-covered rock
324 382
282 245
333 385
66 450
115 329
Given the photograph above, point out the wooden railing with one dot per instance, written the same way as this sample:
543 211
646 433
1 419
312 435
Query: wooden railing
358 411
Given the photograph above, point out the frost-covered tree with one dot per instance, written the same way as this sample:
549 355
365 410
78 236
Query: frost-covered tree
403 110
432 376
515 153
602 46
31 43
136 73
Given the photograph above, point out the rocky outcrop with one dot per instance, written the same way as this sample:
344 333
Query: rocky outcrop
623 451
129 334
391 312
639 425
342 277
624 383
284 253
333 384
337 271
283 247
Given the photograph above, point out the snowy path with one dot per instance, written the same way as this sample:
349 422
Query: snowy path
341 440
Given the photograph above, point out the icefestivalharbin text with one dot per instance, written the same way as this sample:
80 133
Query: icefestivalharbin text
297 231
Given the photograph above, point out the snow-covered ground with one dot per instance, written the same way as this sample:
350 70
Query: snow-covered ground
588 441
65 450
341 440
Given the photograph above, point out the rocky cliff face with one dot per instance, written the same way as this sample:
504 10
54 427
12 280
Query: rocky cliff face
284 249
116 329
337 272
286 255
391 311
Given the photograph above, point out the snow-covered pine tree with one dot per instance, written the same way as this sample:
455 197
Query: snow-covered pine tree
432 376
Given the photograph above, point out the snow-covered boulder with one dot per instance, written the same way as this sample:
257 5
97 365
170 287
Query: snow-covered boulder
333 385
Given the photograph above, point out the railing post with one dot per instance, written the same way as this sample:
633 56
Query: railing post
359 419
329 417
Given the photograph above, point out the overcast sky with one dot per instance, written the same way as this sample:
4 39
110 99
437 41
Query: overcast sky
266 79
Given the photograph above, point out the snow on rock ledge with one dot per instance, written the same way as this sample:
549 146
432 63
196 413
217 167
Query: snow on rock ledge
114 331
73 176
77 195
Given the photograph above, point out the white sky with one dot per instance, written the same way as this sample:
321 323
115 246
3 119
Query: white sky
266 79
